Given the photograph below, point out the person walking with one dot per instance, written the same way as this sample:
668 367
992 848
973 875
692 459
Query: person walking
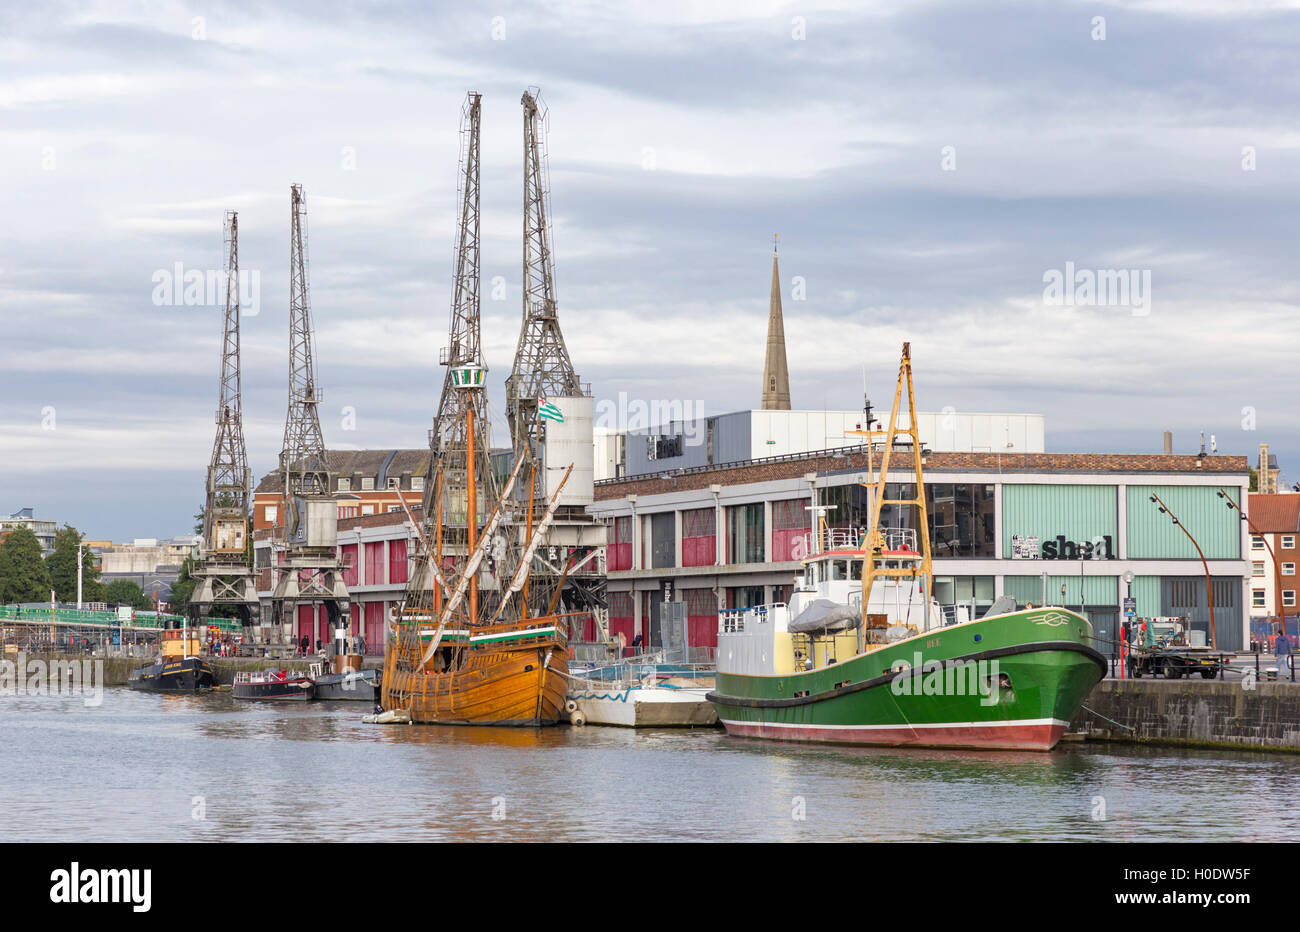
1282 648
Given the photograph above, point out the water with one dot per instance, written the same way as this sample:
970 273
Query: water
146 767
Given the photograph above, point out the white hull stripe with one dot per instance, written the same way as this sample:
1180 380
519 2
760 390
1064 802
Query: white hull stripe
1010 723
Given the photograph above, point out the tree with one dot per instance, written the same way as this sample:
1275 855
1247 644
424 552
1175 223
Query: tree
183 588
126 592
23 575
62 566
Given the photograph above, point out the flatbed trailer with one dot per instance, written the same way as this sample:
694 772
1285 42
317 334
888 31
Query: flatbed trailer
1176 662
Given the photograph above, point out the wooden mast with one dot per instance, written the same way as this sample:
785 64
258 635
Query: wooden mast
471 518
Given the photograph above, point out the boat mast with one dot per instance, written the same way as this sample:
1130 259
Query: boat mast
875 543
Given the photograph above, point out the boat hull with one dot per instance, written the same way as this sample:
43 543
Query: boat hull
284 690
640 707
512 675
1010 682
357 685
173 676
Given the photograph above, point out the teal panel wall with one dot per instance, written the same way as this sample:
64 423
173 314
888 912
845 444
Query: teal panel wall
1153 536
1146 589
1024 588
1099 590
1079 512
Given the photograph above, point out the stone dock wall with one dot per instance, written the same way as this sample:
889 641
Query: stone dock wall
1193 713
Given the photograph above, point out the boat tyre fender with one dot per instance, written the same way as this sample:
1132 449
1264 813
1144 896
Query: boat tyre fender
577 718
571 706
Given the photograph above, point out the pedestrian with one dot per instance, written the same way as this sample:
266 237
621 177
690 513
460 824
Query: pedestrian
1282 648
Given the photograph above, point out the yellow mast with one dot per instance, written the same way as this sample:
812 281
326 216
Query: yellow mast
874 543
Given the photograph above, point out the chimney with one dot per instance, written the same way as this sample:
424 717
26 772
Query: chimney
1169 442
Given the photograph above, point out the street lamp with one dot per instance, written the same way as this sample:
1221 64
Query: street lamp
1209 593
1277 567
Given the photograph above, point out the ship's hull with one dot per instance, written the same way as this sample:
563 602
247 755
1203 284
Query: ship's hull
173 676
645 707
356 685
1008 682
509 675
291 689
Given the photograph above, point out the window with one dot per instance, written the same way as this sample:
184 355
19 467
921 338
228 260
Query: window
1257 598
270 514
1257 568
394 482
839 569
367 509
345 485
392 508
1288 569
745 533
1288 598
1288 542
417 483
367 483
1256 542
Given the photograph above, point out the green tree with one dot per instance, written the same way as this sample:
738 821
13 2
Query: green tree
126 592
183 588
62 566
23 576
1254 479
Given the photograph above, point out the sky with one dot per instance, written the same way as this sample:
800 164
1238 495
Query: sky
935 171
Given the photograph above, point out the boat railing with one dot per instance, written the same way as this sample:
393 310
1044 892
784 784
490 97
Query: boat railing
897 538
842 538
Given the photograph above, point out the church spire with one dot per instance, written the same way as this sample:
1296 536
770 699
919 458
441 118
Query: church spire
776 375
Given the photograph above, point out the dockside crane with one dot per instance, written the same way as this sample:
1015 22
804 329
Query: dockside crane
545 400
445 538
309 572
225 575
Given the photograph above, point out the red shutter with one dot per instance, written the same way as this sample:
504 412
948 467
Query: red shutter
397 561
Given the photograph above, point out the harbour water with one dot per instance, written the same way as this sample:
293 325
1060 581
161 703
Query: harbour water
148 767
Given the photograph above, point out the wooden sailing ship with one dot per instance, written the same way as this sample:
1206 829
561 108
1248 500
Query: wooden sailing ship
471 645
461 652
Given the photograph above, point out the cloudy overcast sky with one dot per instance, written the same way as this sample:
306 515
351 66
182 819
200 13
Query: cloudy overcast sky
927 164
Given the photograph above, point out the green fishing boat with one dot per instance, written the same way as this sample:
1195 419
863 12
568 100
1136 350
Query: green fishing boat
863 654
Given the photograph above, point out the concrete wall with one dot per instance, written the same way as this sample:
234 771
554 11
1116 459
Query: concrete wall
1217 713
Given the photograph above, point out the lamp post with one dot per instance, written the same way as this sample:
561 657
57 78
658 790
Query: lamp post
1209 593
1277 567
1124 644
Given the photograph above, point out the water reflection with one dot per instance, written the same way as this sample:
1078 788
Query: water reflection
154 767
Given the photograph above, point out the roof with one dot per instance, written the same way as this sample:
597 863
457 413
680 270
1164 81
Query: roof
1279 513
347 463
793 466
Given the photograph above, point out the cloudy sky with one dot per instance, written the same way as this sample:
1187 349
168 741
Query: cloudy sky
927 165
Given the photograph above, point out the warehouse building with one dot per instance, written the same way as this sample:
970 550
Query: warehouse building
1063 528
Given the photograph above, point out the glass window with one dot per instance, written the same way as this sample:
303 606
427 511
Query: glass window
1288 598
1257 568
1288 569
1257 542
855 569
961 514
270 513
839 569
345 485
367 483
417 483
1257 598
1288 542
745 533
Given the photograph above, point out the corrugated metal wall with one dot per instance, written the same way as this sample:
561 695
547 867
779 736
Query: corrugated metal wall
1024 588
1152 535
1078 512
1101 591
1146 589
1098 590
